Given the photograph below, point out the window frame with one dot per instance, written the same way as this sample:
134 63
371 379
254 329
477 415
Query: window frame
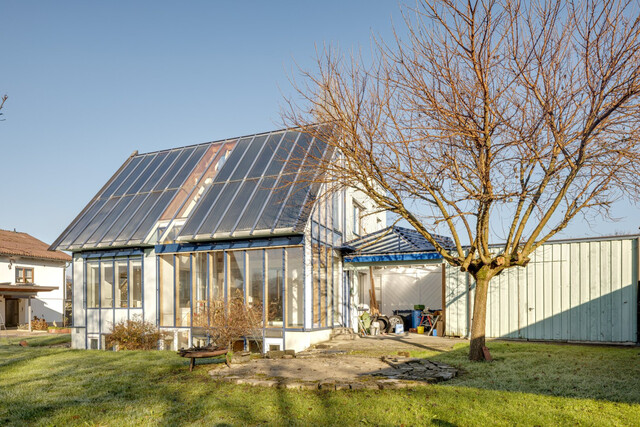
22 278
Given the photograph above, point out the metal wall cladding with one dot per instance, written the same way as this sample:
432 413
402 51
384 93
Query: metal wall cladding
570 291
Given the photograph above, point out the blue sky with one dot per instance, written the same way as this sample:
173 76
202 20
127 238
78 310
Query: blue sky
90 82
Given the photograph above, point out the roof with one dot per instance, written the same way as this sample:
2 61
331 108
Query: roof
393 240
256 185
15 243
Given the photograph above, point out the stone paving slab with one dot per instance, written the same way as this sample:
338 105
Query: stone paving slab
335 372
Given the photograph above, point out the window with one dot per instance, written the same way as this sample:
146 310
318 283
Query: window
183 291
166 290
236 274
93 284
122 284
106 284
275 273
295 288
357 218
24 275
135 288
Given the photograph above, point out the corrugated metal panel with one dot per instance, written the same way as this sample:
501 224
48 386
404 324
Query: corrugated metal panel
576 291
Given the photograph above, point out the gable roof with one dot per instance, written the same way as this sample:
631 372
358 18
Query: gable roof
255 185
394 240
14 243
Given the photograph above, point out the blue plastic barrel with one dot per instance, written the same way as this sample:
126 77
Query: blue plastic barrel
415 318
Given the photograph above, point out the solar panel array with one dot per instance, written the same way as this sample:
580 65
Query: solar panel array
257 185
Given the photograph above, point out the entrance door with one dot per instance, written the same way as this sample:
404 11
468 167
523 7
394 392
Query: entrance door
12 311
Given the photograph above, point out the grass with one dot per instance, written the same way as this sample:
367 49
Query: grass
531 384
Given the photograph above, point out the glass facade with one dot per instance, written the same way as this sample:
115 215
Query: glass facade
114 282
262 277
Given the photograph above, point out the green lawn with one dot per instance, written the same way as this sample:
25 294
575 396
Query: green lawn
531 384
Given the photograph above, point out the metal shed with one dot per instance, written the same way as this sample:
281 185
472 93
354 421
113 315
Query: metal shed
572 290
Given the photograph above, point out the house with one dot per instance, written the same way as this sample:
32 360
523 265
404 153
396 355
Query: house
32 279
176 228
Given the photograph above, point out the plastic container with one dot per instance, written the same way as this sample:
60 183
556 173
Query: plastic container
420 329
416 315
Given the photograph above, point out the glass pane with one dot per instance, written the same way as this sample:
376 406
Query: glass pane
275 278
166 164
121 177
250 156
91 227
189 165
199 283
233 159
73 233
281 155
295 288
124 218
193 223
219 208
122 284
146 174
166 290
254 207
273 206
93 283
256 278
183 291
151 217
138 217
135 287
235 264
134 175
106 287
216 277
175 168
206 178
236 208
179 206
265 155
115 213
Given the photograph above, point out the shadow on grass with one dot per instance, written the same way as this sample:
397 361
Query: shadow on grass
60 386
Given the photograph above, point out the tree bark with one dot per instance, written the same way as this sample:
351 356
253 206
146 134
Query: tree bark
479 318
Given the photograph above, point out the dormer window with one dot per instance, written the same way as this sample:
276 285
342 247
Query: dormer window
24 275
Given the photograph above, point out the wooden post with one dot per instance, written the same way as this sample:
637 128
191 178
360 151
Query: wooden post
374 301
29 312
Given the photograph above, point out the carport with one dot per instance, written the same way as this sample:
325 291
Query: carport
397 268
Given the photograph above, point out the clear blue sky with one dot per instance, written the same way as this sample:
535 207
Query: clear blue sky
90 82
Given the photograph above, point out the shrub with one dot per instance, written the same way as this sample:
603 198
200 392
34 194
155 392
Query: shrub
134 334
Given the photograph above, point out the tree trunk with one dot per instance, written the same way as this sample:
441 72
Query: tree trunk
479 318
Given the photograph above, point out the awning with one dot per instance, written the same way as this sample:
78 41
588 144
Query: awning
23 291
392 244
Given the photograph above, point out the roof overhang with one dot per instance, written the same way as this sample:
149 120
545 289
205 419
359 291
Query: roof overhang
231 244
391 258
23 291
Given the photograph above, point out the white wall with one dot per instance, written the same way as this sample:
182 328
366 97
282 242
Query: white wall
47 305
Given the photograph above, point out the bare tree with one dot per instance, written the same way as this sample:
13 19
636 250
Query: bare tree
227 321
490 119
2 101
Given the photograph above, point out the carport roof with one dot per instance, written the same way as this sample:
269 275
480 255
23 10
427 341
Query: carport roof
393 244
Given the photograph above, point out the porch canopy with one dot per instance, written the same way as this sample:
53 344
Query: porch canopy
392 244
8 289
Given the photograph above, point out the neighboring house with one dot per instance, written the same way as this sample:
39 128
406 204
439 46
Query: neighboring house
32 279
176 228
